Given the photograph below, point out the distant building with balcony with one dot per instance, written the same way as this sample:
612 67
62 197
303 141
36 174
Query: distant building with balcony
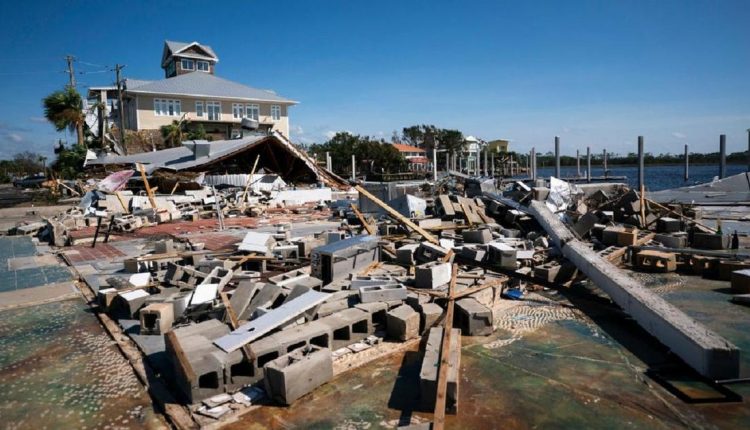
191 90
416 157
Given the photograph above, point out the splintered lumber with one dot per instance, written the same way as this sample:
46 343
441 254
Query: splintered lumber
365 224
249 180
705 351
122 202
149 192
395 214
442 380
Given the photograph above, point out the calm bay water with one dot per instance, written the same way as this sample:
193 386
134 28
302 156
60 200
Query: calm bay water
657 177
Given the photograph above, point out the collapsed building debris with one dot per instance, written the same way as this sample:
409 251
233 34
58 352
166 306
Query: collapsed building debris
283 310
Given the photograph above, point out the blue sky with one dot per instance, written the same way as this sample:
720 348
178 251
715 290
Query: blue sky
596 73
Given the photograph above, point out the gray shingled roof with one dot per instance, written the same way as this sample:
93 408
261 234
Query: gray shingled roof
201 84
182 157
175 47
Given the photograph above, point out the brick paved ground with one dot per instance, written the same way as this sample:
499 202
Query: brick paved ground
84 253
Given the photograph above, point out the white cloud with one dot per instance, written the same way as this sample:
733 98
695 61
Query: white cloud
15 137
297 130
38 119
329 134
678 135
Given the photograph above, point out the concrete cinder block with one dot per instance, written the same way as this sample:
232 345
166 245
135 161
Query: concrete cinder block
432 275
672 240
503 255
741 281
727 267
405 254
473 318
477 236
708 241
382 293
157 318
402 323
668 225
429 314
656 261
293 375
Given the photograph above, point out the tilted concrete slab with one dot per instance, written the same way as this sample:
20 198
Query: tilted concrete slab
705 351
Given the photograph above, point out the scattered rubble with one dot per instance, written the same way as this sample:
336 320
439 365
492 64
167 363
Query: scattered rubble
267 318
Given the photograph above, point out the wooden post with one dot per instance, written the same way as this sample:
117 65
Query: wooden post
588 164
557 157
722 156
445 346
687 163
395 214
121 108
249 180
578 163
149 193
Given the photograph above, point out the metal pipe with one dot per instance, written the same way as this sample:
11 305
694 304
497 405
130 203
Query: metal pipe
687 163
588 164
486 172
557 157
722 156
354 168
641 166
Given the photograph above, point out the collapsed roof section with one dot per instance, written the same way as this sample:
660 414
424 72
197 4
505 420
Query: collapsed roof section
277 154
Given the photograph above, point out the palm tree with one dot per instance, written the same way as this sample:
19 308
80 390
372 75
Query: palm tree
174 133
64 109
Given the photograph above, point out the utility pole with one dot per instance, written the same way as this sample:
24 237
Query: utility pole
72 84
120 113
71 73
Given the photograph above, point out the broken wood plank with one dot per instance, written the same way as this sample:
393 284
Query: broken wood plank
365 224
149 192
442 380
249 181
395 214
182 360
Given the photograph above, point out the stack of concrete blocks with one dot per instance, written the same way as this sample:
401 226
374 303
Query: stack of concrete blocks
337 260
482 236
708 241
473 318
432 275
212 368
677 240
429 313
266 297
428 374
128 223
286 250
183 276
293 375
402 323
157 318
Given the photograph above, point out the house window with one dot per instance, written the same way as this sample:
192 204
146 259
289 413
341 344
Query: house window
203 66
166 107
214 111
238 110
252 111
199 109
275 112
188 64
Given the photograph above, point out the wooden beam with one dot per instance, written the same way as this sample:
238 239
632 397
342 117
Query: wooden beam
395 214
235 323
467 214
249 181
122 202
445 346
149 193
181 357
368 227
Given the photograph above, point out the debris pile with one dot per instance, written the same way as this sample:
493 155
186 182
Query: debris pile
280 315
